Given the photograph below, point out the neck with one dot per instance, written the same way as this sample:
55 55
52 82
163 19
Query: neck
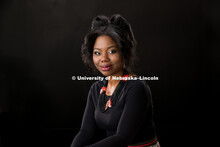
113 82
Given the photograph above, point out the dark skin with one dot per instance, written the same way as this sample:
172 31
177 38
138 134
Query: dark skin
108 60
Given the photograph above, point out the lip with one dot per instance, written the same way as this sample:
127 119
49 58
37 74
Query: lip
106 67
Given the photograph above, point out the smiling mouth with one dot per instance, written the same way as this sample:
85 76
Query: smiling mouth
106 68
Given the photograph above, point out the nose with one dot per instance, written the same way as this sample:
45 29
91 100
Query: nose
104 57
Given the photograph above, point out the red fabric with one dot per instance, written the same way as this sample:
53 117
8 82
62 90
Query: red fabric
125 76
144 145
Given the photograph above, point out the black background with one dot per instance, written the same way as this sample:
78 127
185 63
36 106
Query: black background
178 41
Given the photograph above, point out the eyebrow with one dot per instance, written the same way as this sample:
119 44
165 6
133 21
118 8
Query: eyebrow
113 46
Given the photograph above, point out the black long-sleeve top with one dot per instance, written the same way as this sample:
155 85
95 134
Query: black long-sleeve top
128 122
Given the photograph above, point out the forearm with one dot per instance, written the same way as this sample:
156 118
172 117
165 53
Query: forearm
115 140
82 139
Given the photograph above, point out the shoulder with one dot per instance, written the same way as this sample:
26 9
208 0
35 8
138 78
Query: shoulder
137 84
96 86
138 87
94 91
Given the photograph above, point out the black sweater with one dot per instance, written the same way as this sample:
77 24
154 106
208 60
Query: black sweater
127 122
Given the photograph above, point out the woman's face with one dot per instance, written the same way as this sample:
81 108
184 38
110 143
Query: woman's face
106 56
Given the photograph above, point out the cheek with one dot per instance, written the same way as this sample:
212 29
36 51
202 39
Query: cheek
119 60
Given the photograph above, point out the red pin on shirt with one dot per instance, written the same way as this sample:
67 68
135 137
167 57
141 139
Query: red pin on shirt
108 104
102 90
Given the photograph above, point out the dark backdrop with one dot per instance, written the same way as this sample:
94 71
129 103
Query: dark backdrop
40 51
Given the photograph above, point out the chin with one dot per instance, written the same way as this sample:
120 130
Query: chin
106 73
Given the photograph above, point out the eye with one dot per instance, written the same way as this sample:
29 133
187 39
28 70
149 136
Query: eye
113 51
97 53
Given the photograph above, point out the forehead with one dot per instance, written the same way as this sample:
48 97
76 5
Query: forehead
104 41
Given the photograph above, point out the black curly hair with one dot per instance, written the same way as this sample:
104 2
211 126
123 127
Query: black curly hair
120 31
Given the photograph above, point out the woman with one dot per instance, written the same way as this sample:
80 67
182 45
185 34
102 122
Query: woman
120 108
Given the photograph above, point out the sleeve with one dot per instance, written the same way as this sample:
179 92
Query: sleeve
137 102
88 126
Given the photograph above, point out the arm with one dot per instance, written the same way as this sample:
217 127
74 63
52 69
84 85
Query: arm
88 126
135 109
